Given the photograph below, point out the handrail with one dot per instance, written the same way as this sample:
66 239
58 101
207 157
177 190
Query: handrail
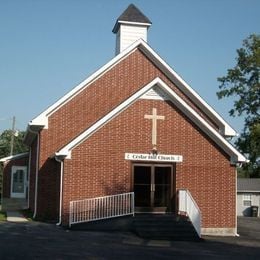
189 206
93 209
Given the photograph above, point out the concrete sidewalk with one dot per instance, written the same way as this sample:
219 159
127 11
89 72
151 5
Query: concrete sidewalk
15 216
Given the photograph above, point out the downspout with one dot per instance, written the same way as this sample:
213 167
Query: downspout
237 235
36 176
61 188
28 179
37 133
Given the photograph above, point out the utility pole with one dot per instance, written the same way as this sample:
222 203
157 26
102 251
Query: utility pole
12 137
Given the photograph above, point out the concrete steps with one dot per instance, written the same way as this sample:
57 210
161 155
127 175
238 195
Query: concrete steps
11 204
147 226
164 227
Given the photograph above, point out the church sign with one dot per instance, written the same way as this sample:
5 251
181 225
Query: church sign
153 157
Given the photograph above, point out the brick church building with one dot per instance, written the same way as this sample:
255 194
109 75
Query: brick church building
133 127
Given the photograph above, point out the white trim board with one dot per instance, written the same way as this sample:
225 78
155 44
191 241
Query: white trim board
235 156
42 119
226 129
14 157
134 23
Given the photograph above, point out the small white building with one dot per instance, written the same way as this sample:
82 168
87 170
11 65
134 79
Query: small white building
248 195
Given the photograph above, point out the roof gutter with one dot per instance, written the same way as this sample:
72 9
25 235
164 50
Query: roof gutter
31 132
60 159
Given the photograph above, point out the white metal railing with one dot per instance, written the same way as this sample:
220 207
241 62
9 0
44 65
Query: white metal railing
101 208
189 206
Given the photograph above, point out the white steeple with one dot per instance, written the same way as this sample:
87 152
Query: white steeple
131 25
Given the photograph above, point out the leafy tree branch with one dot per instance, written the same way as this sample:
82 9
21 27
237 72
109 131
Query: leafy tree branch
242 82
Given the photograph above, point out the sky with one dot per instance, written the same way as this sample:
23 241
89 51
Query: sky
47 47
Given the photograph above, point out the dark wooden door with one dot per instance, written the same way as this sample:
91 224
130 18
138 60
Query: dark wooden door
153 187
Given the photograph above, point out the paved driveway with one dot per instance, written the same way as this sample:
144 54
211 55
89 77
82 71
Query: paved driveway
35 240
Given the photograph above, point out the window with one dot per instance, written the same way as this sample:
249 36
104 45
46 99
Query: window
247 200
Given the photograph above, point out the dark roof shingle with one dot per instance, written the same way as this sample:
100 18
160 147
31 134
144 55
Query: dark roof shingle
248 184
132 14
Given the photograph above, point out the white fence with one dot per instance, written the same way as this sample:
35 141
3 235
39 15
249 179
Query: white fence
188 206
101 208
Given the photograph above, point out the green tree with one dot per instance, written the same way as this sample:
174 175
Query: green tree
242 82
5 143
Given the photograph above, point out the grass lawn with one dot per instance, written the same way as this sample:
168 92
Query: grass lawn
2 216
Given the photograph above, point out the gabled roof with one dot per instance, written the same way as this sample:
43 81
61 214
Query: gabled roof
14 157
132 15
248 184
41 121
235 156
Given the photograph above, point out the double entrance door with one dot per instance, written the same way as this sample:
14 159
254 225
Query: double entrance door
153 187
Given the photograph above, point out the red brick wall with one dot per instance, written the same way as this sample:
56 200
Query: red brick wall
48 190
7 174
98 166
99 98
48 184
86 108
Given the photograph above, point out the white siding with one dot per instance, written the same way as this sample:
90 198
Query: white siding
246 210
128 34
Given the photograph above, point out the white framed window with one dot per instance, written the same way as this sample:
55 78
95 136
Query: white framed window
247 200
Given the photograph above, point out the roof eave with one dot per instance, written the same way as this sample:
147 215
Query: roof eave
225 128
32 131
14 157
235 156
238 159
62 154
118 22
42 120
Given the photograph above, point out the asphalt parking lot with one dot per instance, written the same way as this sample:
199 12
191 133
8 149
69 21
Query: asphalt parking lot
36 240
